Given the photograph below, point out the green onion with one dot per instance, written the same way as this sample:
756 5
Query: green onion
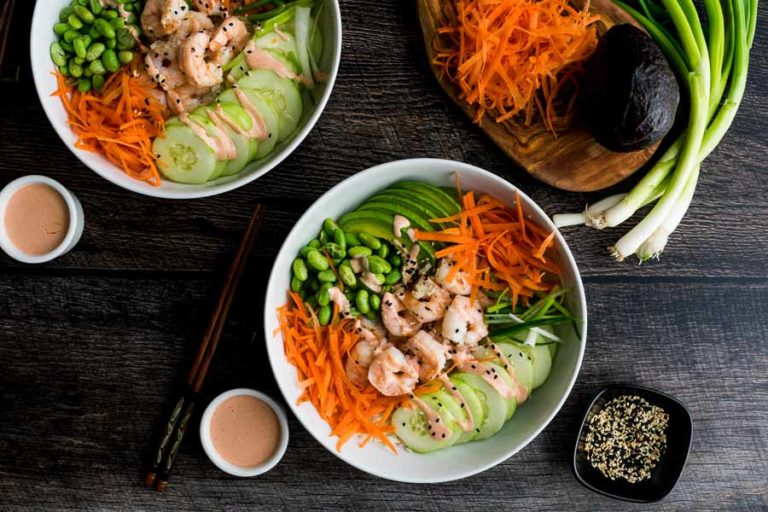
713 71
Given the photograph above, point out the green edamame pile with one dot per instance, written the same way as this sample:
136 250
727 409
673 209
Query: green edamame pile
94 40
326 261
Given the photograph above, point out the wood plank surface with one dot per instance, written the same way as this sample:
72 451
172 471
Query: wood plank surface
93 344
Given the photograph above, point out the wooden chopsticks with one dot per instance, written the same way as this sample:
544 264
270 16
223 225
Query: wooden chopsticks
173 429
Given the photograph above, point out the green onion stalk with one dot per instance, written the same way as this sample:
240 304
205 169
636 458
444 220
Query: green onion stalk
712 69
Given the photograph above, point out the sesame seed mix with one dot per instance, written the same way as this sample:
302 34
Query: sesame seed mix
627 438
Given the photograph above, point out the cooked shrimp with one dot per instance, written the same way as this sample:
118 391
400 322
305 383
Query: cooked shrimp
397 319
187 97
392 373
161 62
341 301
162 17
430 353
228 40
199 70
459 285
427 300
361 355
210 7
463 322
192 22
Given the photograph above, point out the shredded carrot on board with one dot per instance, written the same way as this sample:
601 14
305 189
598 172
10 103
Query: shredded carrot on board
119 123
511 57
497 247
319 354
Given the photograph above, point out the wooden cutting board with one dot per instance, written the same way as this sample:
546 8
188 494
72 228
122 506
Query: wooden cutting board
573 160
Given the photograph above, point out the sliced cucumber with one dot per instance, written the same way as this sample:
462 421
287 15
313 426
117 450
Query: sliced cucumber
283 94
522 361
183 157
542 364
503 374
201 116
241 142
268 115
494 405
411 426
475 406
282 46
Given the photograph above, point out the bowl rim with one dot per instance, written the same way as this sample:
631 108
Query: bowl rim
458 167
575 466
108 172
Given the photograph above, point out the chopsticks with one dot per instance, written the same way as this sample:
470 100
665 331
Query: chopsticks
172 433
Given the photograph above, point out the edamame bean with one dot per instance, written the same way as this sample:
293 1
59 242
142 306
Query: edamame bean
395 260
379 265
323 295
340 239
84 14
93 33
359 250
361 301
74 22
375 302
80 47
383 250
300 269
295 284
64 70
75 69
125 56
324 315
323 237
311 301
57 55
109 58
305 250
351 239
87 40
95 6
71 35
314 284
65 13
84 85
104 28
354 313
111 44
371 241
326 276
87 72
330 226
98 82
67 47
393 277
117 23
95 51
109 14
372 315
60 29
334 250
131 19
316 260
347 276
380 278
78 60
97 68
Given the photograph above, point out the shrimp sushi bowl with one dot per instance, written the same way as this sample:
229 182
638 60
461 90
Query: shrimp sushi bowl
425 320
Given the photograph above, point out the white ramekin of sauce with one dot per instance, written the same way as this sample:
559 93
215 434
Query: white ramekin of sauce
39 219
244 432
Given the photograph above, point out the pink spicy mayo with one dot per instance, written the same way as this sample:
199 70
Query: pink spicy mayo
245 431
36 219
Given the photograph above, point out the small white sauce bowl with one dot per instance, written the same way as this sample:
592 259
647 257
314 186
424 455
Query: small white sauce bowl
217 459
76 219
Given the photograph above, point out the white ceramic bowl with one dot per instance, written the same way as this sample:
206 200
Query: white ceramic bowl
221 462
76 219
459 461
42 36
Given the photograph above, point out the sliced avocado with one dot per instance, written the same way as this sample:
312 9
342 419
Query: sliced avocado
424 204
366 224
417 220
435 193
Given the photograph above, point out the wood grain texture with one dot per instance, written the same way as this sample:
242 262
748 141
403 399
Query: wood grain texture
94 344
573 160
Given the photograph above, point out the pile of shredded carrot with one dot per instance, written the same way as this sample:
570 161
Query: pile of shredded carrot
511 57
498 247
119 122
319 354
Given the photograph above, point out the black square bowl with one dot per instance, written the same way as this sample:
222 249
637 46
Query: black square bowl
666 473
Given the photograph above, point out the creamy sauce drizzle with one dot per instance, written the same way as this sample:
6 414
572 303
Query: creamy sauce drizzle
359 264
226 142
468 423
369 280
488 374
202 133
437 429
338 298
521 394
399 224
411 234
257 58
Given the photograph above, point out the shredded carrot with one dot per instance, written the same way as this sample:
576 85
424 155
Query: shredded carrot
497 247
511 57
119 123
319 354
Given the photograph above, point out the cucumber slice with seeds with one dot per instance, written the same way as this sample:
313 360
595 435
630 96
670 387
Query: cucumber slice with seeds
183 157
283 94
494 405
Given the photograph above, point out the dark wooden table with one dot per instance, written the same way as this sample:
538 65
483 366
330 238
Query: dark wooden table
93 344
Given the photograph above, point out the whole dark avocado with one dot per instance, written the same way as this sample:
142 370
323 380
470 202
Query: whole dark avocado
631 94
